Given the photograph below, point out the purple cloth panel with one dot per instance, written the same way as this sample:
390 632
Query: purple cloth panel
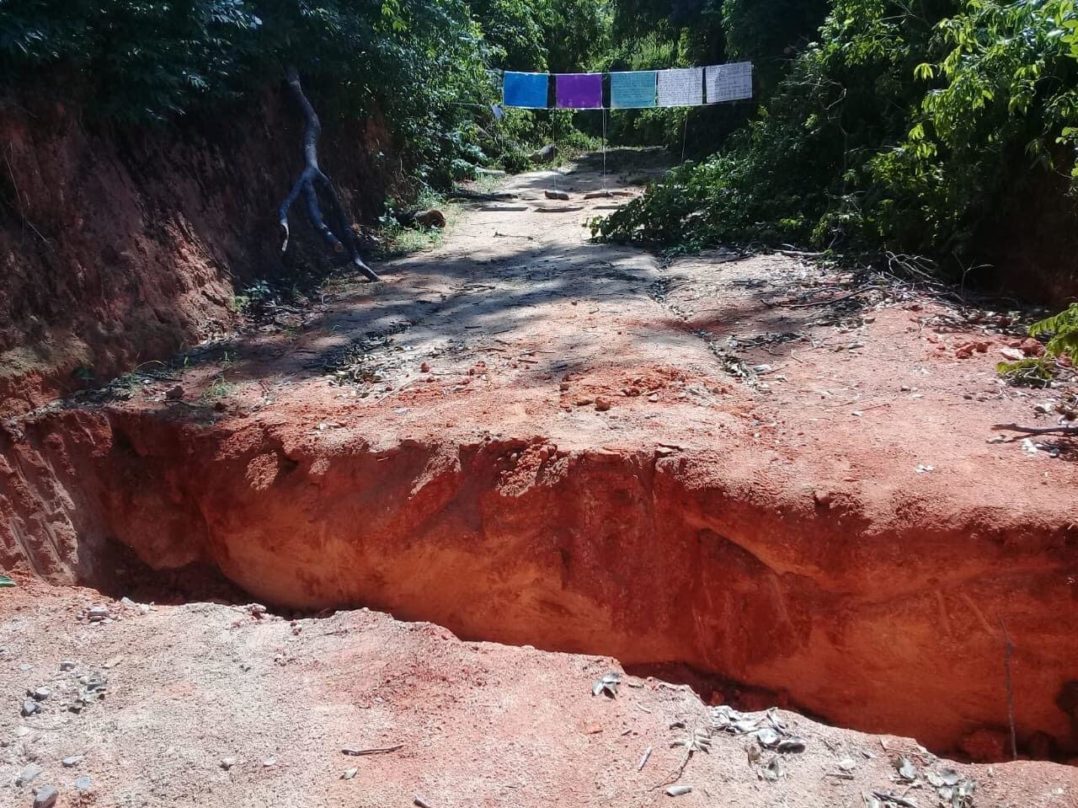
579 90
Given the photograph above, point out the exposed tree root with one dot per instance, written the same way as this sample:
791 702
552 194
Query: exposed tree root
464 193
339 237
1034 430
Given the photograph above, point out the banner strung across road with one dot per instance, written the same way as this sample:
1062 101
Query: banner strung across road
528 90
681 88
579 90
634 90
731 82
638 89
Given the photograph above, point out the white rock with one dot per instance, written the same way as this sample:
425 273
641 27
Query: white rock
29 773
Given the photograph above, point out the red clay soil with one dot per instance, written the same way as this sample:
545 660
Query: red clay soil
118 247
207 705
527 438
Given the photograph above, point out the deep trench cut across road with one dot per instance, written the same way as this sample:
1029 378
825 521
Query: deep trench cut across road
529 438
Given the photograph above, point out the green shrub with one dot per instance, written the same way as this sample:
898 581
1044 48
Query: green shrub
1031 372
1062 331
903 127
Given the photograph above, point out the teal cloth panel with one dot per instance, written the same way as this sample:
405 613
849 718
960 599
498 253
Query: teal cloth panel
634 90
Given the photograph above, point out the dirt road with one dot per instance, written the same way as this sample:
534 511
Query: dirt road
529 438
203 705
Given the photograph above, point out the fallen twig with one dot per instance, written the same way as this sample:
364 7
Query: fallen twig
862 409
644 759
1037 430
673 778
383 750
830 300
886 796
464 193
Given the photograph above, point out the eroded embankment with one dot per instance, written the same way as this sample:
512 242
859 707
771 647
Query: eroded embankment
121 246
649 557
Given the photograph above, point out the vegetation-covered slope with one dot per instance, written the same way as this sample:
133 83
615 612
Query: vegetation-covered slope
914 127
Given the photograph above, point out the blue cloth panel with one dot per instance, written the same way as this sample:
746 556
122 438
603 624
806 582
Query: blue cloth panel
526 90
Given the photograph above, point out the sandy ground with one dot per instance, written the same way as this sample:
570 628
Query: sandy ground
208 704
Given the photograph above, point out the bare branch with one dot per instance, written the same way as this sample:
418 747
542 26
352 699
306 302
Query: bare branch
338 237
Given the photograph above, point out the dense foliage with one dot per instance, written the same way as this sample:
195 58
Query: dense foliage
902 126
560 36
649 34
426 64
878 123
913 126
137 61
788 173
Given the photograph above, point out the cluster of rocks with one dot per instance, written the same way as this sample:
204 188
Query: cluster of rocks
90 688
73 691
46 795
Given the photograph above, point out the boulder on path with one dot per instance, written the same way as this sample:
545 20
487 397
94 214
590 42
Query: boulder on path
545 154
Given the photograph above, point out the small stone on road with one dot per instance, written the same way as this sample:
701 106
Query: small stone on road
46 797
29 773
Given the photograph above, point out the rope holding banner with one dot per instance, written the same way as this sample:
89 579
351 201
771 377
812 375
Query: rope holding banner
554 142
604 150
684 136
